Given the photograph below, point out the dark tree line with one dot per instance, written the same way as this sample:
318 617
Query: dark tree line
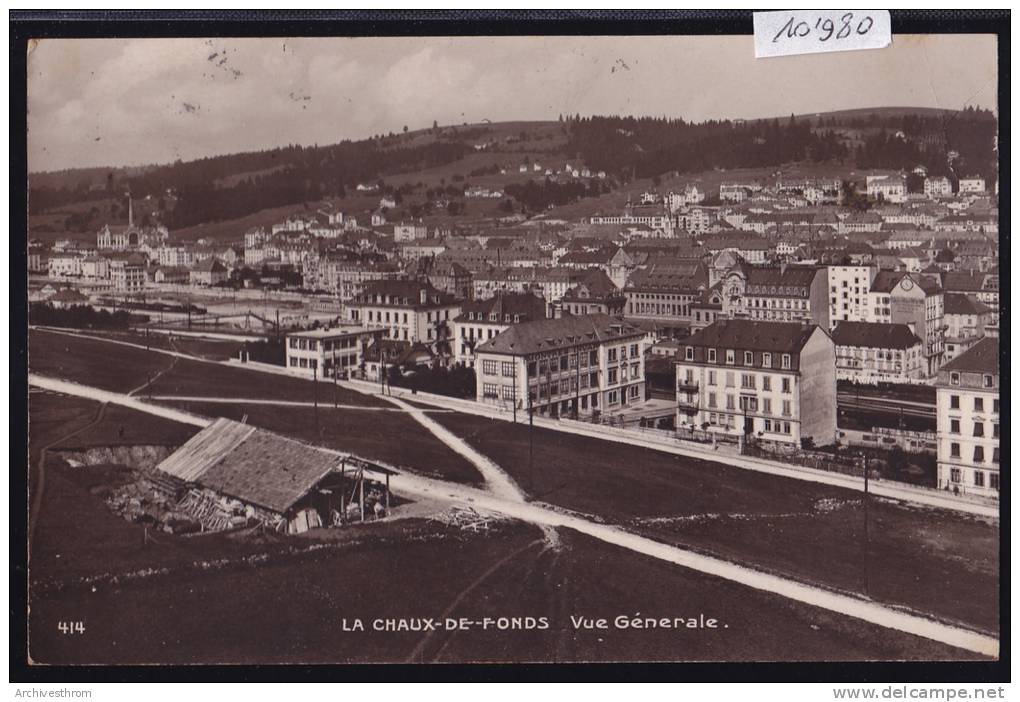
540 195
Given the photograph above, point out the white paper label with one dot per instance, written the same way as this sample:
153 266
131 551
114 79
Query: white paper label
793 32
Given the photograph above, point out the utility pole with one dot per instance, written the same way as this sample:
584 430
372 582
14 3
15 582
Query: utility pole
315 394
515 390
334 380
867 538
531 443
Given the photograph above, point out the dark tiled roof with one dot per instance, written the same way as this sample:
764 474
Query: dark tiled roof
959 303
745 334
874 335
560 333
525 305
982 357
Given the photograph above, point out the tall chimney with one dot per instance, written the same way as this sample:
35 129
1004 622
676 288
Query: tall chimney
131 217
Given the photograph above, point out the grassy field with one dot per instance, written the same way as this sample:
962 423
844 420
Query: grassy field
191 600
809 531
121 368
390 437
101 364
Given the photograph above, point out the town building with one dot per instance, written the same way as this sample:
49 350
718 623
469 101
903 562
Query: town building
328 352
569 366
208 273
968 320
596 293
972 184
869 352
897 297
408 310
773 381
889 188
937 187
848 292
482 320
968 421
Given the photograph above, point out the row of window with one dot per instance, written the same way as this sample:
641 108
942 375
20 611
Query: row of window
979 404
748 381
956 476
979 453
750 404
987 380
731 358
491 367
979 428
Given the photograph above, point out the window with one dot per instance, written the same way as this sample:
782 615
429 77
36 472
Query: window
634 351
634 390
954 378
564 363
954 402
730 403
711 355
711 377
979 404
979 478
766 383
979 429
689 353
995 459
612 376
954 426
786 385
766 360
766 405
612 355
729 379
979 454
995 431
987 380
532 369
490 390
787 408
731 357
747 381
711 399
954 450
954 475
993 478
508 392
786 360
508 369
995 406
489 367
614 397
748 358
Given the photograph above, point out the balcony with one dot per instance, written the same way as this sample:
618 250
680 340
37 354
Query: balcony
688 404
684 385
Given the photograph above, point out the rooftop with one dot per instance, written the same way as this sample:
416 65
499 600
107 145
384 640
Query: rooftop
982 357
783 337
560 333
874 335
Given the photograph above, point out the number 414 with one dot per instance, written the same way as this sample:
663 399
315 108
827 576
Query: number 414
70 628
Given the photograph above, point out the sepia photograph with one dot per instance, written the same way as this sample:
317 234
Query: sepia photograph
521 349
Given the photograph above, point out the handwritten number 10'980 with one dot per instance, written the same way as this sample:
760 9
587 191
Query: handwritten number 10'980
826 28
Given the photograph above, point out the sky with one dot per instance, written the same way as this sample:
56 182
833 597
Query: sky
118 102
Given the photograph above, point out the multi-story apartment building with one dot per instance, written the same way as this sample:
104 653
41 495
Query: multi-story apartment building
897 297
972 184
937 187
775 381
869 352
408 310
573 365
890 188
128 274
968 421
62 265
848 292
967 321
409 231
482 320
777 293
327 352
